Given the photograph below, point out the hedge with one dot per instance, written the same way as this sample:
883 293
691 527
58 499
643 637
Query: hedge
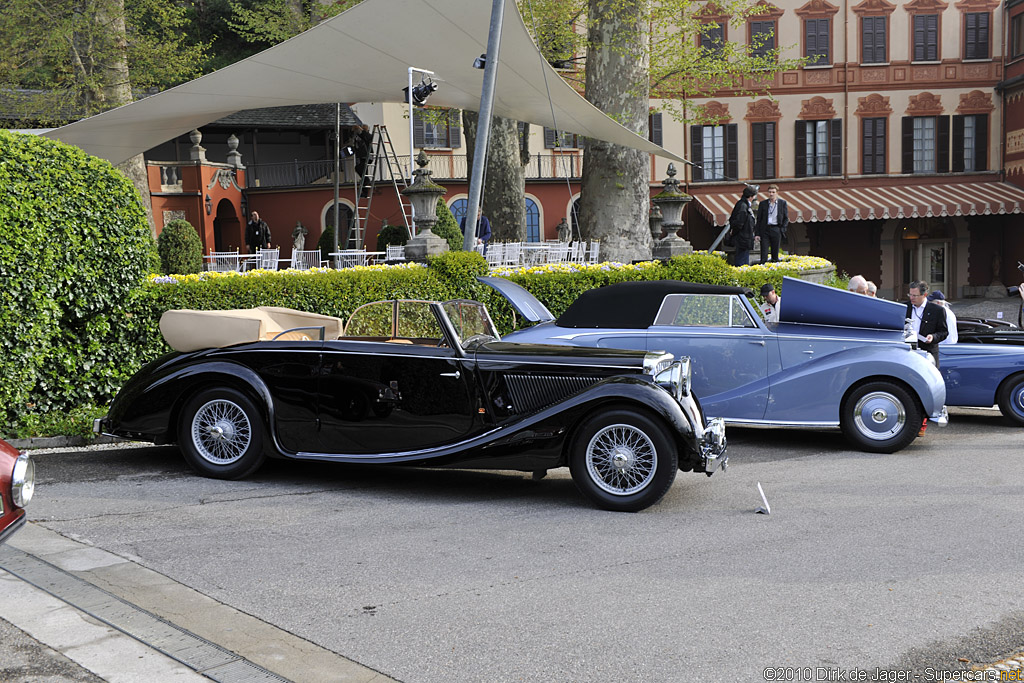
76 246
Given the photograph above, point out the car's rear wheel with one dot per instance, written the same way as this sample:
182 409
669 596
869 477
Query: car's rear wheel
623 460
880 417
221 434
1011 398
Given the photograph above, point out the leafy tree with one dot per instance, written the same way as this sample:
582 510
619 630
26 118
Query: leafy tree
85 56
74 51
633 51
269 22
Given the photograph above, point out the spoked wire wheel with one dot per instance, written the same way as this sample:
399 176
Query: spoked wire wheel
221 432
621 459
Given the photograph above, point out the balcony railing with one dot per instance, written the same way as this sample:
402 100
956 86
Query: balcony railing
443 166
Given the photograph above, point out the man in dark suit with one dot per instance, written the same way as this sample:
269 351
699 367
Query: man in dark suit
927 319
772 223
741 223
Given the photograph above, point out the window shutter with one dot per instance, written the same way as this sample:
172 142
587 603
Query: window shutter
549 138
697 151
867 142
958 144
800 154
836 147
908 144
880 144
981 142
810 39
942 144
418 138
932 53
823 42
654 127
757 138
982 47
918 38
976 35
454 129
732 157
769 150
874 37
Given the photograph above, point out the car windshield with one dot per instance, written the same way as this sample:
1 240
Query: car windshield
703 310
470 320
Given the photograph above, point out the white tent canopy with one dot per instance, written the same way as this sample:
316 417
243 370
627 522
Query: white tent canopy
363 55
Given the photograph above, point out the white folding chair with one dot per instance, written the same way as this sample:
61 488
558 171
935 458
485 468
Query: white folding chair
558 252
578 251
595 252
304 259
513 255
267 259
495 254
222 261
394 252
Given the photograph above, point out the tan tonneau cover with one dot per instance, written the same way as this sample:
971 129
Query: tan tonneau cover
189 330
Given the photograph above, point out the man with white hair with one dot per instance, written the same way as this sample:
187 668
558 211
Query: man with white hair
858 284
872 289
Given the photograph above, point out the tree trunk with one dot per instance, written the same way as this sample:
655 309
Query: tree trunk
615 194
503 195
117 90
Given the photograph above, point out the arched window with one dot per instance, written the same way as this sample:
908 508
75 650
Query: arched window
532 221
458 209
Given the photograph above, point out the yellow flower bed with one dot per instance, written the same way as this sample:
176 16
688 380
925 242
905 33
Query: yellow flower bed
212 274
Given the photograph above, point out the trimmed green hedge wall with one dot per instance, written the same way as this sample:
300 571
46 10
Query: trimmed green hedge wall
75 245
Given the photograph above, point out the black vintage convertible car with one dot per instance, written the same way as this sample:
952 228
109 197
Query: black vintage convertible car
416 383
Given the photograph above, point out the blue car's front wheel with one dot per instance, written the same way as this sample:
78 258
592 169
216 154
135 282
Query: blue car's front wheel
880 417
1011 398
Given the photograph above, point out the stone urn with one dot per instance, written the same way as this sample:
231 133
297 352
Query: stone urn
670 202
423 194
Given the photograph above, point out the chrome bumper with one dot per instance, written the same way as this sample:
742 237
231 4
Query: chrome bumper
943 419
712 446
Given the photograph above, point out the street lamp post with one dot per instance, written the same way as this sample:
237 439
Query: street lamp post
412 138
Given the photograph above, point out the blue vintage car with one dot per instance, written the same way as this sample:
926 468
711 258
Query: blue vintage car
835 359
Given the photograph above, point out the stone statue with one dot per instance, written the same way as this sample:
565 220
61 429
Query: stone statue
299 236
563 231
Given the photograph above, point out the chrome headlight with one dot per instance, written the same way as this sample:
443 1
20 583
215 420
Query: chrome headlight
678 375
656 361
23 480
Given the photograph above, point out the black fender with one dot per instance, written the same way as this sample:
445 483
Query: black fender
148 407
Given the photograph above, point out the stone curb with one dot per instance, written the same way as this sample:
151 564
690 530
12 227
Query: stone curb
59 442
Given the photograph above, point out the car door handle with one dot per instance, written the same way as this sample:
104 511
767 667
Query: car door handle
759 342
809 351
455 374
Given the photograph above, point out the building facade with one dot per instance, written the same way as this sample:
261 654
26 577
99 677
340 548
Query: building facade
888 145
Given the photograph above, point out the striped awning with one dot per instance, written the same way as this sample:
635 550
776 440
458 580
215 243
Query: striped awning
868 203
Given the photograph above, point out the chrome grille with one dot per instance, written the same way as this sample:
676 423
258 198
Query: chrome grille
530 392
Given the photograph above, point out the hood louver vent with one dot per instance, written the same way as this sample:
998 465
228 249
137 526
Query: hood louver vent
531 392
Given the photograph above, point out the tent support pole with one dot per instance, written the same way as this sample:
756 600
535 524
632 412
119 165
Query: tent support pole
483 127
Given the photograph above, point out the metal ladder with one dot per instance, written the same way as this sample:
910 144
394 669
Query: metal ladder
381 150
